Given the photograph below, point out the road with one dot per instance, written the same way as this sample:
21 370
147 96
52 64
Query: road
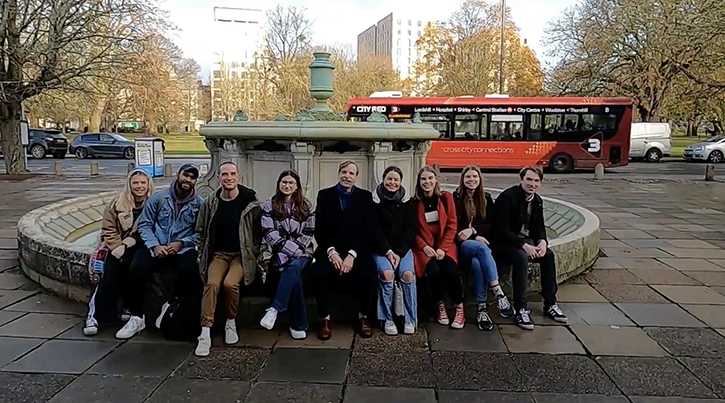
73 166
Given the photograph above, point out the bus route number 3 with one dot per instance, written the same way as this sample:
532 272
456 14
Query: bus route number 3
594 146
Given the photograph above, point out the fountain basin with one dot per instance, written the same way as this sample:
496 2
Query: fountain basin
55 242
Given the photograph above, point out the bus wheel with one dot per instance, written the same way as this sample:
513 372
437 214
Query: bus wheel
561 163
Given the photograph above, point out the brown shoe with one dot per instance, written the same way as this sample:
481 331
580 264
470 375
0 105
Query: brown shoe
324 332
366 331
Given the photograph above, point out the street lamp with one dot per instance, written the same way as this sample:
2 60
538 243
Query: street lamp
500 65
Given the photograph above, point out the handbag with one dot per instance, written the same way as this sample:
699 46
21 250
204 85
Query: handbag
398 302
97 262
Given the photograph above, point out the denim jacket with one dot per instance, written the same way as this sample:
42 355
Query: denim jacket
158 226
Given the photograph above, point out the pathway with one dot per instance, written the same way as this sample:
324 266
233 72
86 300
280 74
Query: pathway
649 321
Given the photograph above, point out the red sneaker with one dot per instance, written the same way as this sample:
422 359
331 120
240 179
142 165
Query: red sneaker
460 318
442 314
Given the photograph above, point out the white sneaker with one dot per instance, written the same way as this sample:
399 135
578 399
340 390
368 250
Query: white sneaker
91 327
269 318
390 328
133 327
230 333
202 349
298 334
165 307
409 328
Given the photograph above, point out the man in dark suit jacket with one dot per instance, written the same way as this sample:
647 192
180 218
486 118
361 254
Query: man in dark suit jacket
520 237
344 218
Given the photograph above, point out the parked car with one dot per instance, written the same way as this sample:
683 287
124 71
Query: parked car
650 141
96 145
44 142
712 150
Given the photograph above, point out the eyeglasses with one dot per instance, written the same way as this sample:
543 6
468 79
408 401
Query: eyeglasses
289 183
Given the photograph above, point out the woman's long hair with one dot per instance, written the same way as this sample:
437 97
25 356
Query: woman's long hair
300 206
126 200
419 192
474 206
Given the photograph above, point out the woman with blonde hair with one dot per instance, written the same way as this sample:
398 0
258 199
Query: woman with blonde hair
475 230
120 237
434 249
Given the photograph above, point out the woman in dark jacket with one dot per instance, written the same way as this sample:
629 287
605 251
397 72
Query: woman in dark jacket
397 225
475 214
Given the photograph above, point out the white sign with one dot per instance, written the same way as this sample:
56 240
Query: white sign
24 134
144 157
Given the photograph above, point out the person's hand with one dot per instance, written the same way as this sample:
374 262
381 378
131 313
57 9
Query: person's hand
347 264
336 261
465 234
531 251
430 252
482 240
174 247
160 251
440 254
119 251
541 248
393 258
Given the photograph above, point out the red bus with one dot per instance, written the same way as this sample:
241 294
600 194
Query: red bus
495 131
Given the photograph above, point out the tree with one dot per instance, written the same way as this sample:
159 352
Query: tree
49 45
640 49
461 57
289 33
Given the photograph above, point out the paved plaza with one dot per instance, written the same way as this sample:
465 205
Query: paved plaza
647 325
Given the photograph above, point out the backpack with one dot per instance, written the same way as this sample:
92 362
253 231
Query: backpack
181 320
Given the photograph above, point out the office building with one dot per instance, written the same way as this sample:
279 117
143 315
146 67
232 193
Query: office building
238 39
393 38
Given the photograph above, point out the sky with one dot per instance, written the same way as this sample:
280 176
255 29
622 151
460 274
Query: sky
340 21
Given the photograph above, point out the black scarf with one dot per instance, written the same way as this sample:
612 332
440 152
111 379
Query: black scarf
385 194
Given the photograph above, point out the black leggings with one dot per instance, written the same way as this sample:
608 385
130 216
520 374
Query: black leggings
439 271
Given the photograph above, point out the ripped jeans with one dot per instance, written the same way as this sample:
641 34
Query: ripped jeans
385 289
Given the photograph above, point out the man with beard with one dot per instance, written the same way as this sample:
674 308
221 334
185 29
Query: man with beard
166 227
229 236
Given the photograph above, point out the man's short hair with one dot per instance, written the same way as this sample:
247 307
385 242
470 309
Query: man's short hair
347 164
534 169
227 163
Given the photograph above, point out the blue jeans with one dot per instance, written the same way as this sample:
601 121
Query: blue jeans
385 291
483 267
289 293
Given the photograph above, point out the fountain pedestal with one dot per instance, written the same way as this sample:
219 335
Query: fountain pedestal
314 149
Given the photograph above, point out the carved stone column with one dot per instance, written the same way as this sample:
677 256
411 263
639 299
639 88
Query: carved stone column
302 154
380 151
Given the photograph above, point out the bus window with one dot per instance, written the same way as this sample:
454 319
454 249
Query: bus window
570 123
533 133
591 122
507 127
466 127
551 123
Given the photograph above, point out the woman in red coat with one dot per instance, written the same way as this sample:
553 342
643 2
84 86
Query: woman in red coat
435 252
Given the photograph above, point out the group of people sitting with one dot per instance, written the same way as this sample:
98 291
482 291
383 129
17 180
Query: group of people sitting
226 241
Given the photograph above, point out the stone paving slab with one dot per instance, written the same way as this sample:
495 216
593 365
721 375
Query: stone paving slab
615 340
196 390
464 396
62 356
108 389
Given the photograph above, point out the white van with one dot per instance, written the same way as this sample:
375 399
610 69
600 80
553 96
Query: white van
650 141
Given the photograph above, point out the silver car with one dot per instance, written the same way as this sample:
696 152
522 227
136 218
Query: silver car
712 150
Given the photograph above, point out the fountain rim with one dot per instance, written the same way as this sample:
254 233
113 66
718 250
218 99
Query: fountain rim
28 227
